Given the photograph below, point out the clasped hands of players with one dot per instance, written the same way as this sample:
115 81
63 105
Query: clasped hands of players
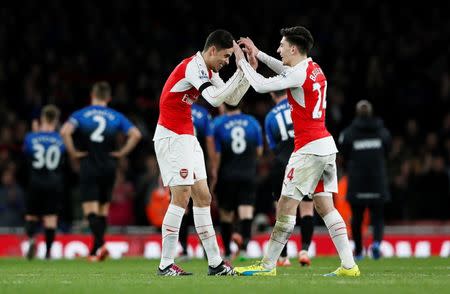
249 49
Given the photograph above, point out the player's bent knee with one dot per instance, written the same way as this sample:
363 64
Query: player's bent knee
323 205
287 206
180 201
202 200
180 197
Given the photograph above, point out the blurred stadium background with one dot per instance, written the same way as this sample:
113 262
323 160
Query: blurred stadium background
395 56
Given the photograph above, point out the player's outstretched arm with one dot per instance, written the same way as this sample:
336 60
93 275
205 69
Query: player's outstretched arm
66 132
249 46
244 85
216 95
262 84
213 89
273 63
251 57
134 136
238 93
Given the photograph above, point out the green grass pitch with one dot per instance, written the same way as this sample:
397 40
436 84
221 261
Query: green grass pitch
138 275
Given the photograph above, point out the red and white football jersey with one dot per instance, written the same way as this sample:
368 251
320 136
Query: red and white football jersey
306 86
180 91
183 87
308 105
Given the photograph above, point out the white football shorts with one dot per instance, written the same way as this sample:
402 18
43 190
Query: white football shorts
309 175
180 159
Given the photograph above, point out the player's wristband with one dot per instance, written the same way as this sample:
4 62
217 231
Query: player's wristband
204 86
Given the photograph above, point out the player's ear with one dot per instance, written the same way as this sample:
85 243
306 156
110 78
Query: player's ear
293 49
213 50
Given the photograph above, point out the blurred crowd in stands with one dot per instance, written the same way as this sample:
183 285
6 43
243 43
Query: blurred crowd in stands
52 52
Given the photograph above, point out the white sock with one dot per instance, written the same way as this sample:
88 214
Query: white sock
280 235
205 230
170 231
338 233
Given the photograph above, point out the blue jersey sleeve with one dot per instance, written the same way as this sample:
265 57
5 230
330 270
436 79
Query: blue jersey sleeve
27 147
75 118
62 147
216 133
125 124
259 136
269 134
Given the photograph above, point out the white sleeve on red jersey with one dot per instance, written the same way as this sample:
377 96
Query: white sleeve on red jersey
216 80
273 63
215 94
290 78
238 93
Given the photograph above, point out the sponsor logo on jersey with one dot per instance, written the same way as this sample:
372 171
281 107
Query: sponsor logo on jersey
184 173
189 99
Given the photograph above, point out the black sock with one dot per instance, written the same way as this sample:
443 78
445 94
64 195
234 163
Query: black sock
31 228
183 233
307 229
49 238
103 226
225 230
284 251
246 231
94 225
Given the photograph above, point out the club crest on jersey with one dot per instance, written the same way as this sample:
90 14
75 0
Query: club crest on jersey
184 173
189 99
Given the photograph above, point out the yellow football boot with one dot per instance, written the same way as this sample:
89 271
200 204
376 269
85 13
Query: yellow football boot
343 272
255 270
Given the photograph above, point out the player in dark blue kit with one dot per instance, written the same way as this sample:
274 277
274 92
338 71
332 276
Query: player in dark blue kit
203 130
204 133
95 128
45 150
239 143
280 138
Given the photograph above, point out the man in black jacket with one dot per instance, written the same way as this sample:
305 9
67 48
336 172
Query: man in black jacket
364 145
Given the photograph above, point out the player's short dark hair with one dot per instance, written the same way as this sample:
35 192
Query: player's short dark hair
280 93
50 113
220 38
300 37
101 90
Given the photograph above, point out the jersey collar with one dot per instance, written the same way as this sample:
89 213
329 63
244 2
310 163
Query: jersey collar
200 57
303 62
